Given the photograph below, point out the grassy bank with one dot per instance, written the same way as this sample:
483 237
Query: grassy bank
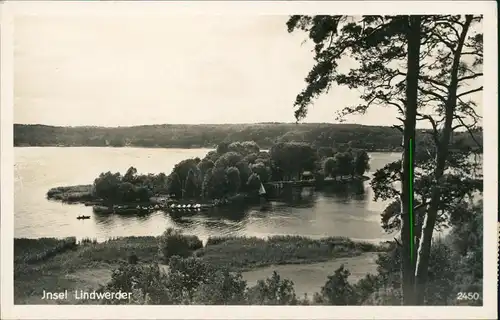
242 253
90 264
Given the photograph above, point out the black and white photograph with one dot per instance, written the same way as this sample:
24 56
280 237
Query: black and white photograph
186 154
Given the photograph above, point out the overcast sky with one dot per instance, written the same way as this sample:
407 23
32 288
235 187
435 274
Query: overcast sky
120 71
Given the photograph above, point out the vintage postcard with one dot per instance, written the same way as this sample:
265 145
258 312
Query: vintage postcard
249 160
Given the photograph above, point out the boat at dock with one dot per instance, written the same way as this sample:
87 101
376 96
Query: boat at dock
188 207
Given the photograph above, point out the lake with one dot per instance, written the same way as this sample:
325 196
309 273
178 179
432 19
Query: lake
313 214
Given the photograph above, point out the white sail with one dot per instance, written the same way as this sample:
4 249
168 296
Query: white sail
262 190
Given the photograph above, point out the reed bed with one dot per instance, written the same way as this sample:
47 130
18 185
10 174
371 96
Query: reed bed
35 250
243 253
71 193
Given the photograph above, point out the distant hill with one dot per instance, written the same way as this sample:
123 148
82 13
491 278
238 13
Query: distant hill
370 138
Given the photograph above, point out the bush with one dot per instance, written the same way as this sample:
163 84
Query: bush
221 288
272 291
194 243
365 287
174 243
217 240
337 290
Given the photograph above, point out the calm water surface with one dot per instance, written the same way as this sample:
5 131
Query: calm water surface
315 214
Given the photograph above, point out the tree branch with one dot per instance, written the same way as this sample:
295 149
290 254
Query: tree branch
400 128
472 53
469 131
440 97
435 131
445 42
433 81
473 76
470 91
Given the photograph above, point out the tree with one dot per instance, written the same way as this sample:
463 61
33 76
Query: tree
244 148
431 48
174 185
344 163
223 147
262 170
217 186
329 166
293 158
245 172
254 182
205 165
206 187
361 163
192 186
325 152
178 177
106 186
130 175
233 179
160 183
453 108
126 192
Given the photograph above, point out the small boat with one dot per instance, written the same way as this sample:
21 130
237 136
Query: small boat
83 217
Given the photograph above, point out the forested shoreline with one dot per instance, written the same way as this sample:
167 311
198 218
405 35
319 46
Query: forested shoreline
339 136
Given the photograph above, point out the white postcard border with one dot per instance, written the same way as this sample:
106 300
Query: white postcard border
10 9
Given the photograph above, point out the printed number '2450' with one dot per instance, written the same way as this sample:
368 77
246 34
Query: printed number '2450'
468 296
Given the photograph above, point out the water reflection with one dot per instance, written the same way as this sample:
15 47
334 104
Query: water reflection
289 212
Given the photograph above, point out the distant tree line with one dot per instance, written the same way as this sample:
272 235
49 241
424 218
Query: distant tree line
339 136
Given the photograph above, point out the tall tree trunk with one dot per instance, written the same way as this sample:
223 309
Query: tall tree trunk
419 213
407 258
441 158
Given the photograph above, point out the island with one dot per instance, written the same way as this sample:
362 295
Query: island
231 173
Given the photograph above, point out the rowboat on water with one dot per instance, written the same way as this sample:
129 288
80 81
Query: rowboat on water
83 217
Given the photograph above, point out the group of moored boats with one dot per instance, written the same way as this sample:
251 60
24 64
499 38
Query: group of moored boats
192 207
142 209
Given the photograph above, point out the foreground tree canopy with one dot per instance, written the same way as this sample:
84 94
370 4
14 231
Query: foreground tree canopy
429 68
